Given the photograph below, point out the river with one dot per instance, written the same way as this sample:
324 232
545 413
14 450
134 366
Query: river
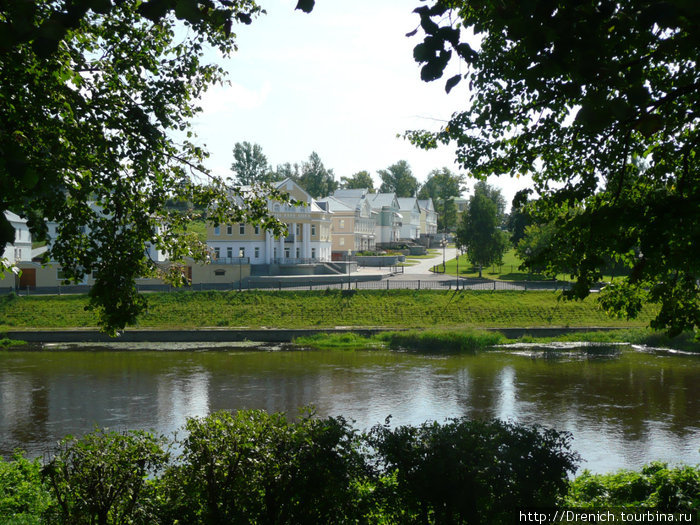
624 406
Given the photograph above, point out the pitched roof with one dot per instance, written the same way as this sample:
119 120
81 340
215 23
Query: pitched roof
379 200
336 204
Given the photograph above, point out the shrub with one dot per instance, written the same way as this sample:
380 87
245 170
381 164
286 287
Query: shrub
254 467
471 471
102 478
666 489
24 498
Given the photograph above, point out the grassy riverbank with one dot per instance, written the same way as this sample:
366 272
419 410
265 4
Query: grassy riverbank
447 341
320 309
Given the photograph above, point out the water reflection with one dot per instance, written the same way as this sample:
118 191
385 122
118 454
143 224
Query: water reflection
623 407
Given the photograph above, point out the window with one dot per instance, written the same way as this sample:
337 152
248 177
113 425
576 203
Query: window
257 229
342 223
219 272
229 252
217 252
298 253
298 230
229 229
274 252
217 230
18 254
241 252
313 253
286 253
257 252
241 229
313 229
342 241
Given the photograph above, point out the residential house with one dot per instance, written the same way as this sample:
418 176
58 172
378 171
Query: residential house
410 213
21 248
353 225
428 217
389 220
308 239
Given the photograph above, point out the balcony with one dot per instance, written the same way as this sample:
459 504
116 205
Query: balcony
231 260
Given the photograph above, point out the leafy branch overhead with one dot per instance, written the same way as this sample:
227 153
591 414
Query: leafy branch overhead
92 93
598 102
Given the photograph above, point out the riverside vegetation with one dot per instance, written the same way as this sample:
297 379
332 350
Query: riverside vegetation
255 467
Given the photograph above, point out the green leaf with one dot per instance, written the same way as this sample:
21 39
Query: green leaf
452 82
305 5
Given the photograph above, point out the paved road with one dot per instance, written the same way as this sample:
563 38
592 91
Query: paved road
424 265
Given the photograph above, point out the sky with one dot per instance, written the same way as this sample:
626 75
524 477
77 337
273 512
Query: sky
340 81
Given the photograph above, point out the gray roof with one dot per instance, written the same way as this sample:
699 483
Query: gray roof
351 193
379 200
426 204
336 204
407 203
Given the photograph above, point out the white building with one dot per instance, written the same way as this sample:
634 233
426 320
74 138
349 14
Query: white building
308 239
21 249
410 213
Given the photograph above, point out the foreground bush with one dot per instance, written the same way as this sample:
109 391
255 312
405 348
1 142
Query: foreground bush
102 478
24 497
473 471
655 486
253 467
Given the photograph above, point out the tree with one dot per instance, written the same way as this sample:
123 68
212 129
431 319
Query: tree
316 179
576 94
518 219
442 187
360 180
90 95
250 164
398 178
478 232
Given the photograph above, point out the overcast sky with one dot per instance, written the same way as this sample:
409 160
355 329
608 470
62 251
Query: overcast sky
340 81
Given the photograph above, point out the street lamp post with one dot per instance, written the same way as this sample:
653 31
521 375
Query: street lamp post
458 250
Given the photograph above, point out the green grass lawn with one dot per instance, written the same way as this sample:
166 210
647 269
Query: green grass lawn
507 271
309 309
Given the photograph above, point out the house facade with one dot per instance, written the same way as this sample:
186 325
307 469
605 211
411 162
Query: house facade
308 239
389 220
410 214
353 225
21 248
428 217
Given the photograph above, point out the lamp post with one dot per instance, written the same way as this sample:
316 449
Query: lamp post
444 247
458 250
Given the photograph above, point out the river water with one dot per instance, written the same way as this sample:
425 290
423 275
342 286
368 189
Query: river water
624 406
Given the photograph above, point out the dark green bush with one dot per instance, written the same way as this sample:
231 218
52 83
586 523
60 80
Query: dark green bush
254 467
24 498
472 471
655 486
101 478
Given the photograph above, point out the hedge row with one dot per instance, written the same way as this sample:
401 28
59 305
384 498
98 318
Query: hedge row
252 467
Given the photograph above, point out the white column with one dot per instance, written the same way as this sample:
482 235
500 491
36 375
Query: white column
294 242
268 247
281 248
307 240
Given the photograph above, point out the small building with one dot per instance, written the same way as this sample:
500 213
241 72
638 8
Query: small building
353 225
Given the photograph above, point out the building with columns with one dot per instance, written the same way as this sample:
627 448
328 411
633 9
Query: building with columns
308 240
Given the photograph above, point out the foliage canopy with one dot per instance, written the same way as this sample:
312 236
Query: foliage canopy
598 102
96 97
